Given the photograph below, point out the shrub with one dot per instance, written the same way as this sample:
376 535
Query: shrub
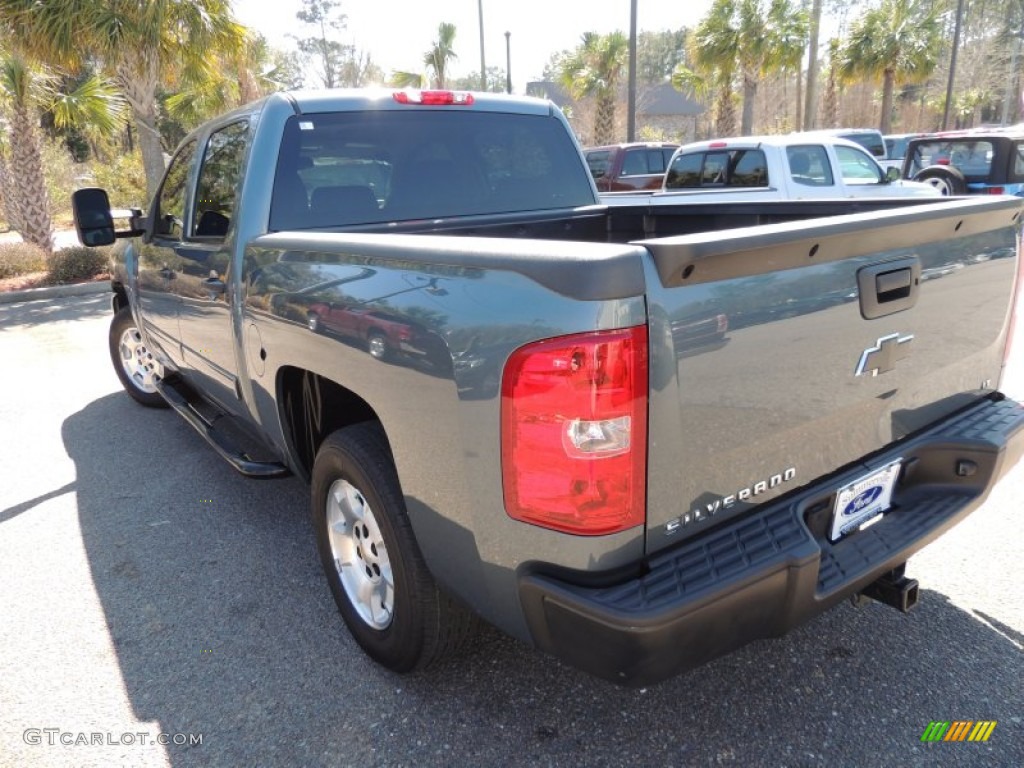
18 259
123 178
77 263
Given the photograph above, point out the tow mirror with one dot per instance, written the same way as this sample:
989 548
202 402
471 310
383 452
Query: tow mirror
94 221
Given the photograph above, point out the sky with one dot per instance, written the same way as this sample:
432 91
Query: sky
397 34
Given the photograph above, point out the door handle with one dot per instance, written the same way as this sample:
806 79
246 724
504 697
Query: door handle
888 287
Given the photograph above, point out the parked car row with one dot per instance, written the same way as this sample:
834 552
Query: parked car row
817 164
797 166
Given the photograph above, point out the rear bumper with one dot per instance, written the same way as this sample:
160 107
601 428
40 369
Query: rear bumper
768 572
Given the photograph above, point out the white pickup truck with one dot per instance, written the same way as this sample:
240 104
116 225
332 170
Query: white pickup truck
785 167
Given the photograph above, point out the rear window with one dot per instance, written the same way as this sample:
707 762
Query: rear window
597 162
972 157
732 168
644 162
348 168
872 141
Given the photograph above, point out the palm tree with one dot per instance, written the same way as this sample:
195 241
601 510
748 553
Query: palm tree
30 205
242 75
897 42
746 38
595 69
440 54
25 91
143 43
436 61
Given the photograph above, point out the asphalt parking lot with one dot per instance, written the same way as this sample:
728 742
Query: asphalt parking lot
147 590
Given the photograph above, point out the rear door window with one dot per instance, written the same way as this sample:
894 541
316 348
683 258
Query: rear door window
809 165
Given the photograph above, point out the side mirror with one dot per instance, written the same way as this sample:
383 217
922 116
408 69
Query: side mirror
94 220
892 174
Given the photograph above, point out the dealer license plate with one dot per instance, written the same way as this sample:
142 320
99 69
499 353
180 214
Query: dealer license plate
863 500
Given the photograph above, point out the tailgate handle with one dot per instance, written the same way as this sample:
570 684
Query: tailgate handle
893 285
889 287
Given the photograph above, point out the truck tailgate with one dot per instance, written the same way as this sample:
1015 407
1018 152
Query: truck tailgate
780 354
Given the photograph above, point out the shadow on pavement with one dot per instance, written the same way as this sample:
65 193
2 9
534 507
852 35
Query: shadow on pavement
68 309
223 625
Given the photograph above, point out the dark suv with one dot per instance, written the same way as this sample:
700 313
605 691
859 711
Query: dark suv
969 162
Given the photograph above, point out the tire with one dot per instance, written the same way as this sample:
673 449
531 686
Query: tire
134 364
948 180
377 344
313 321
387 597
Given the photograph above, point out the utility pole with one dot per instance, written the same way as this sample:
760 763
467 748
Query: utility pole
508 62
811 100
631 96
952 64
483 67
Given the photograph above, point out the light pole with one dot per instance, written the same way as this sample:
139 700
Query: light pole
483 67
508 62
631 90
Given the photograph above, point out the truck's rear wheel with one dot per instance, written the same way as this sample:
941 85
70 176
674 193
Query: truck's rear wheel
382 587
133 361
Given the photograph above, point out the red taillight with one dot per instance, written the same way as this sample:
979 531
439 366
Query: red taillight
995 190
574 432
433 98
717 145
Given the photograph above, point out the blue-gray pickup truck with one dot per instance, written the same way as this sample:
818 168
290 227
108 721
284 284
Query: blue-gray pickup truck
636 437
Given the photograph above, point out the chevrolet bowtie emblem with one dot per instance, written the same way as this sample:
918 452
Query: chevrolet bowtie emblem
883 357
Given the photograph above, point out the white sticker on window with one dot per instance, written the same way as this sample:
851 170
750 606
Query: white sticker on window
305 125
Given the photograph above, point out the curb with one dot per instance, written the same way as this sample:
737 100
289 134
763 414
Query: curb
55 292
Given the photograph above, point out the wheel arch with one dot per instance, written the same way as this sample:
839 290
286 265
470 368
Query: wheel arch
311 407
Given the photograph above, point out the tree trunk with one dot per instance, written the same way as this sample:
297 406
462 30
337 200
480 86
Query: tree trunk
138 75
749 95
830 105
725 113
811 107
26 169
604 119
888 87
799 99
11 210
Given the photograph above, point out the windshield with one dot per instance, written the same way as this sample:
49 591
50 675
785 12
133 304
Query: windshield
370 167
972 157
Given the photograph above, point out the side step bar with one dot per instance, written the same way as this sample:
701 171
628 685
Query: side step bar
220 442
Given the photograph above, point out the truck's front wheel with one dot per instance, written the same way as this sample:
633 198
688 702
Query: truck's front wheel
133 361
382 587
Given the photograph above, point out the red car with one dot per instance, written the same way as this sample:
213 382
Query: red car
628 167
383 334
